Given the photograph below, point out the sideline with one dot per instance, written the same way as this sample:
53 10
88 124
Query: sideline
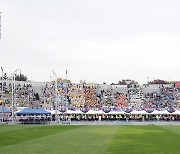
111 123
119 123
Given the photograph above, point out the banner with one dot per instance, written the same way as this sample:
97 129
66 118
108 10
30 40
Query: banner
177 84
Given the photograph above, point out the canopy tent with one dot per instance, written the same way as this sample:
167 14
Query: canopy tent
141 112
41 111
33 111
74 112
95 112
155 112
54 112
26 111
4 110
116 112
177 112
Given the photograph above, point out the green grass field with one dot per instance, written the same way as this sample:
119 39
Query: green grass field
89 139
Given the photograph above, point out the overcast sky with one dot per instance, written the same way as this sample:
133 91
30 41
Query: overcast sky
96 40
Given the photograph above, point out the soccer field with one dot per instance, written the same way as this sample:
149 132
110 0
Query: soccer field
89 139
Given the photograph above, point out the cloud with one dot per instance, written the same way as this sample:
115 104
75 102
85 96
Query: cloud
100 40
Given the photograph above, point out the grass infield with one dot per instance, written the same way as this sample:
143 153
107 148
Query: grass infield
89 139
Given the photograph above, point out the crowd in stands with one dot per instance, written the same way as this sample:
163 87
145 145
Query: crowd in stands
24 95
167 98
83 95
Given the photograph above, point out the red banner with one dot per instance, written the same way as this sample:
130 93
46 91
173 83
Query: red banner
177 83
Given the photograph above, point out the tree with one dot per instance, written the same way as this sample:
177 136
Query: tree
21 77
123 82
5 76
113 84
159 81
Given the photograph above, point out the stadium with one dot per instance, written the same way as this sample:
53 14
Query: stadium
89 77
62 100
91 118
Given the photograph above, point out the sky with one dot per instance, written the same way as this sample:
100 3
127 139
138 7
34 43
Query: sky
95 40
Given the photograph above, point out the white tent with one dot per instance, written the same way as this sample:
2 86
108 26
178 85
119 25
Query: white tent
116 112
177 112
74 112
54 111
20 109
95 112
141 112
155 112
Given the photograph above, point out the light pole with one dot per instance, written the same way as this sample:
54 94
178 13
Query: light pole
13 91
55 75
2 97
66 92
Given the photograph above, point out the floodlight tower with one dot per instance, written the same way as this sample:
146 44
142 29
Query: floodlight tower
66 99
56 102
13 91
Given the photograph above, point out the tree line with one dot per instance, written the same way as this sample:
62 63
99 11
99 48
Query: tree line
18 77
